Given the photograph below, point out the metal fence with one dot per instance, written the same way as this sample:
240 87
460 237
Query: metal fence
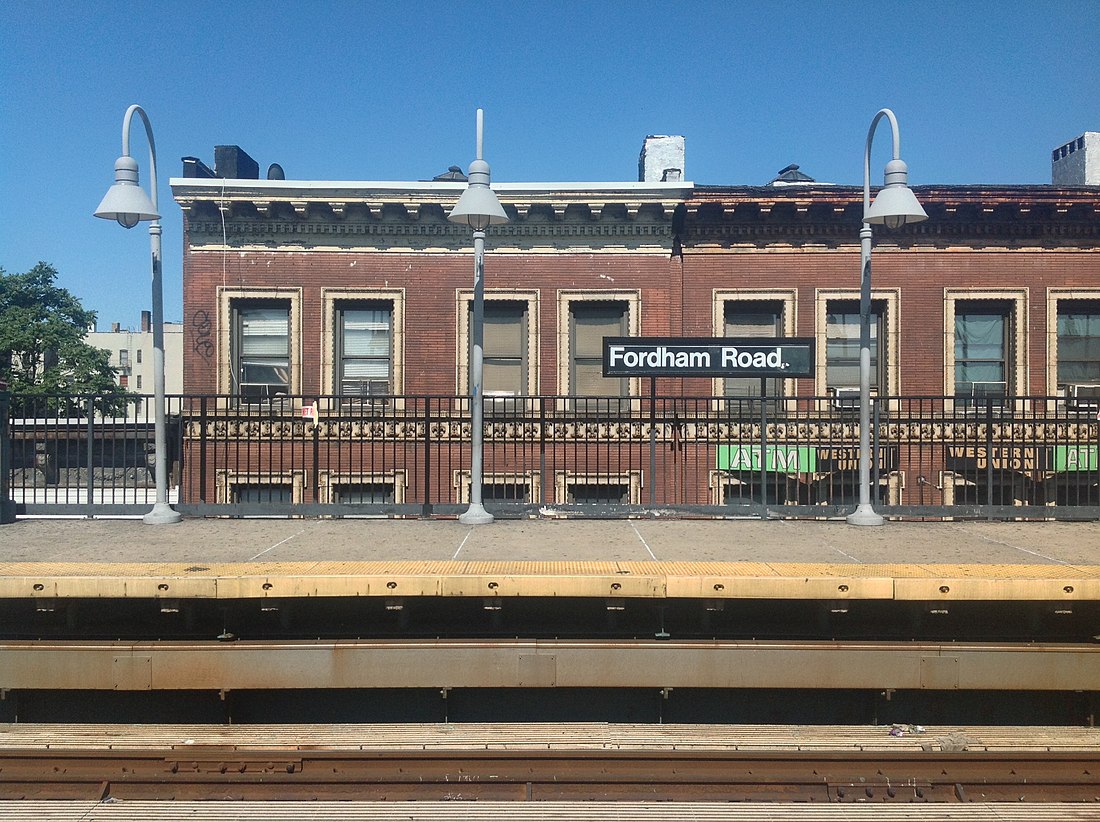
933 456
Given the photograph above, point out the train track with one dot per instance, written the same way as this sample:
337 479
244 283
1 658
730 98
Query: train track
216 772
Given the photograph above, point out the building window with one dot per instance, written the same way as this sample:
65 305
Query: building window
501 487
362 343
261 352
584 319
598 489
753 318
504 356
1078 342
364 493
509 353
365 349
983 349
589 323
139 382
266 492
278 487
138 355
842 346
361 487
124 358
985 344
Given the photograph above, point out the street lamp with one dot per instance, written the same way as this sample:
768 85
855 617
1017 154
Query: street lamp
894 206
479 208
127 203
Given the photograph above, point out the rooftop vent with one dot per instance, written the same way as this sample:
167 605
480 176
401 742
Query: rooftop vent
451 175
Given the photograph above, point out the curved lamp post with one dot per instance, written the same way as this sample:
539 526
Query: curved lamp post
479 208
894 206
127 203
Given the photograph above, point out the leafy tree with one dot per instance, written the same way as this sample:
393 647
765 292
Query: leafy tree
42 349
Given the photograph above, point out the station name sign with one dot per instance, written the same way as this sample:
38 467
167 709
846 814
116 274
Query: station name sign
708 357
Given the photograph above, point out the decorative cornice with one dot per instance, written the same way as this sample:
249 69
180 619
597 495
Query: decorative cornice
643 216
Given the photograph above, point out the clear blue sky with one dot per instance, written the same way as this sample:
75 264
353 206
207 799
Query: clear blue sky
388 90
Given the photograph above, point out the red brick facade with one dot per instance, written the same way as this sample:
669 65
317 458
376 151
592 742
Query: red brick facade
671 253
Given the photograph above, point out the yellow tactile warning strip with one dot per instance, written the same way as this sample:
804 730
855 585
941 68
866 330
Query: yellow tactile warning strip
712 580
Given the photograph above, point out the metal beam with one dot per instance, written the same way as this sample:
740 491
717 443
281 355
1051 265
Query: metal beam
546 664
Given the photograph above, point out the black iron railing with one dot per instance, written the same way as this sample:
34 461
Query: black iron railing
609 456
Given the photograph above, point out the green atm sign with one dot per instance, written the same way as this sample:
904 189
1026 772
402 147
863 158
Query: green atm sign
787 459
1076 457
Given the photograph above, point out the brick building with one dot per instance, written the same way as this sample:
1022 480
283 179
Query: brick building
334 294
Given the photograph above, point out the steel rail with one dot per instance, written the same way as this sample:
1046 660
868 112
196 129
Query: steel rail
556 775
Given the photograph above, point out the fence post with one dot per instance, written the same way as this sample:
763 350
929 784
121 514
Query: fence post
90 484
202 451
876 454
989 454
652 440
7 504
316 478
763 452
426 508
542 450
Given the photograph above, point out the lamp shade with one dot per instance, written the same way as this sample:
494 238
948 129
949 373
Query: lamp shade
478 206
896 205
126 201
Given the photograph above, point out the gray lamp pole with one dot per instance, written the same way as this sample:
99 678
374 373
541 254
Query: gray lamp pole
479 208
126 202
894 206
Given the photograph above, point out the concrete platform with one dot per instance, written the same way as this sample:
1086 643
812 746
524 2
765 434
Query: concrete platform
224 558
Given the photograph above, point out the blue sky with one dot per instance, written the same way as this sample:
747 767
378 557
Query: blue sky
388 90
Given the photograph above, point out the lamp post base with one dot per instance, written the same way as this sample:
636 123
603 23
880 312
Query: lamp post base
475 515
162 514
865 515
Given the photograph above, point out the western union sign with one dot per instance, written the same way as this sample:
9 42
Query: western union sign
707 357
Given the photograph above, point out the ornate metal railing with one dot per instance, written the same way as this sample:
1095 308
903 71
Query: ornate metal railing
934 456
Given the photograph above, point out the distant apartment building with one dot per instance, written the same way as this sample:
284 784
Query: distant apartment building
132 355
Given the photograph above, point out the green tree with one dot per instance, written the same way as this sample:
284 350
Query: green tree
42 349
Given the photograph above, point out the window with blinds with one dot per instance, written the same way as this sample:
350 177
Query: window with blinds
261 367
589 323
842 345
753 318
365 350
504 353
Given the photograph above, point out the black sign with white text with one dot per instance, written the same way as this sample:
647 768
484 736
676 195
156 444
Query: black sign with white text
708 357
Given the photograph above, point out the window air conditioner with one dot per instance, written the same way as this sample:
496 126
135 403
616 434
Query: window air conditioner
365 391
1083 395
989 390
262 391
502 402
846 396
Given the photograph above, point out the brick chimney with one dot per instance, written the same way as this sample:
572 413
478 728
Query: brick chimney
661 160
1077 163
